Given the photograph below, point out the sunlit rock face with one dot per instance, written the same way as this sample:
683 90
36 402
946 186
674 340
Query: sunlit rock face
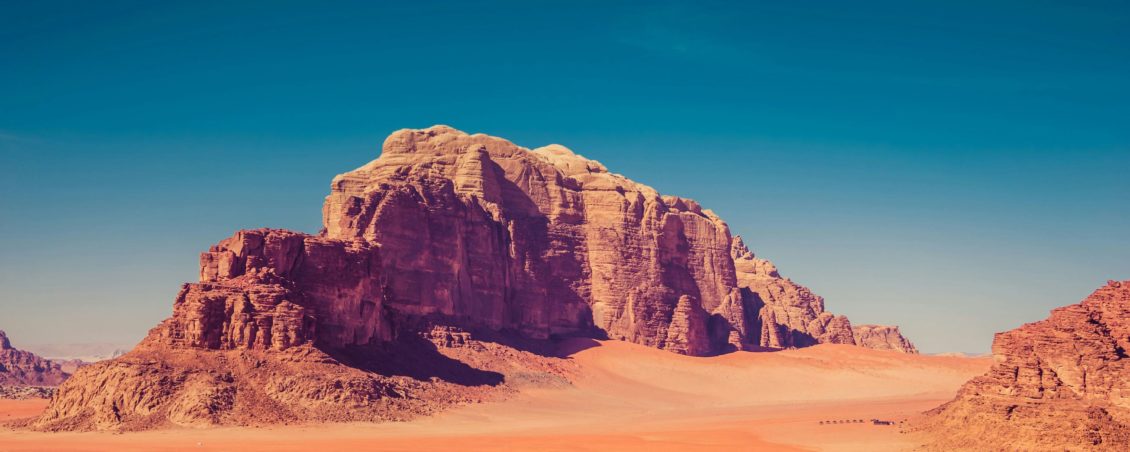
270 289
445 238
1062 383
543 242
475 231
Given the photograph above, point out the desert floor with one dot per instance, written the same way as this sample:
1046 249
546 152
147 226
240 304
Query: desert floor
628 397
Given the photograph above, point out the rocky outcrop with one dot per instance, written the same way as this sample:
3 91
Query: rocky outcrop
22 368
785 314
543 242
445 237
882 337
1062 383
272 289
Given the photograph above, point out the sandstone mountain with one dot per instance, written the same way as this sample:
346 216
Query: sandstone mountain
452 248
1062 383
21 368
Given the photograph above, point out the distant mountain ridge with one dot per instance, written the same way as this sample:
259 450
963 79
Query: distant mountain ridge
87 352
23 368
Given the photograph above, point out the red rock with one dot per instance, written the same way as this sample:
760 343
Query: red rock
22 368
789 314
445 237
1062 383
882 337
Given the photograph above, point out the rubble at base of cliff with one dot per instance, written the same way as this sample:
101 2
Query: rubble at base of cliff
26 392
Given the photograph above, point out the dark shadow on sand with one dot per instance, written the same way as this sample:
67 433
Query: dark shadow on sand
416 358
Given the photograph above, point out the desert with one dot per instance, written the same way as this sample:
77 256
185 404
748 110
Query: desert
468 292
622 396
505 225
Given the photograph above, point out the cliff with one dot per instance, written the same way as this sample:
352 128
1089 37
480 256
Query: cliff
442 241
1062 383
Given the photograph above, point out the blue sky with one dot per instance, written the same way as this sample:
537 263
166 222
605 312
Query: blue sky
957 168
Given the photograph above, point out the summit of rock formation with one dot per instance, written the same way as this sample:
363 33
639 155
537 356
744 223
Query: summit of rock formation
450 248
1062 383
22 368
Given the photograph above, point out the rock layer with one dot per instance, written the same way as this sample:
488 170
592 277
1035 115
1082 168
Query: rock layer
22 368
443 235
1062 383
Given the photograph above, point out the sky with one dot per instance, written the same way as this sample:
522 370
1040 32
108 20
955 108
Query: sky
955 168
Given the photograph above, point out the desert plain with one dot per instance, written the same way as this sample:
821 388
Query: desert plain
621 396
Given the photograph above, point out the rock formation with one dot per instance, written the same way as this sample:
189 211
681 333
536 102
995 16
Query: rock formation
443 232
882 337
21 368
1062 383
790 315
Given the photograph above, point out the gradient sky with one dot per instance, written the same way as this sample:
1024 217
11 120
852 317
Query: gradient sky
956 168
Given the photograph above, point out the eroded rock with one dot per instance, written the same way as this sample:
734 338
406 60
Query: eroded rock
23 368
444 238
1062 383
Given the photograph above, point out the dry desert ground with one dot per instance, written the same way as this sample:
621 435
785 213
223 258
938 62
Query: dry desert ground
626 397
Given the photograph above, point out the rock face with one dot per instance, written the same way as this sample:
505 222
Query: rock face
882 337
21 368
546 242
1062 383
445 231
787 314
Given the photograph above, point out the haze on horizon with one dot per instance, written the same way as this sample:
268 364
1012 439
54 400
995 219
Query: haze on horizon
957 169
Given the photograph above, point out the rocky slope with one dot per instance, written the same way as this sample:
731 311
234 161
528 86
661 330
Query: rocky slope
21 368
787 313
1062 383
446 238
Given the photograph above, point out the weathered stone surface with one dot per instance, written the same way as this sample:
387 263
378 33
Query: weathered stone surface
274 289
543 242
548 242
443 235
1062 383
787 313
22 368
882 337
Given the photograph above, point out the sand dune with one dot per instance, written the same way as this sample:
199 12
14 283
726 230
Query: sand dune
627 397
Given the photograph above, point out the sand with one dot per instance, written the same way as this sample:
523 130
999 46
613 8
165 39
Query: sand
628 397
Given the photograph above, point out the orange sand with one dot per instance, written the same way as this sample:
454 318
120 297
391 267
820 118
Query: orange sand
629 397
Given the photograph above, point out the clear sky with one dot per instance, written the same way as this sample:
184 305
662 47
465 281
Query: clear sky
957 168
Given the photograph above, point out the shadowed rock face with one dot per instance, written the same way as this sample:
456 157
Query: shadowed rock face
22 368
1062 383
444 230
